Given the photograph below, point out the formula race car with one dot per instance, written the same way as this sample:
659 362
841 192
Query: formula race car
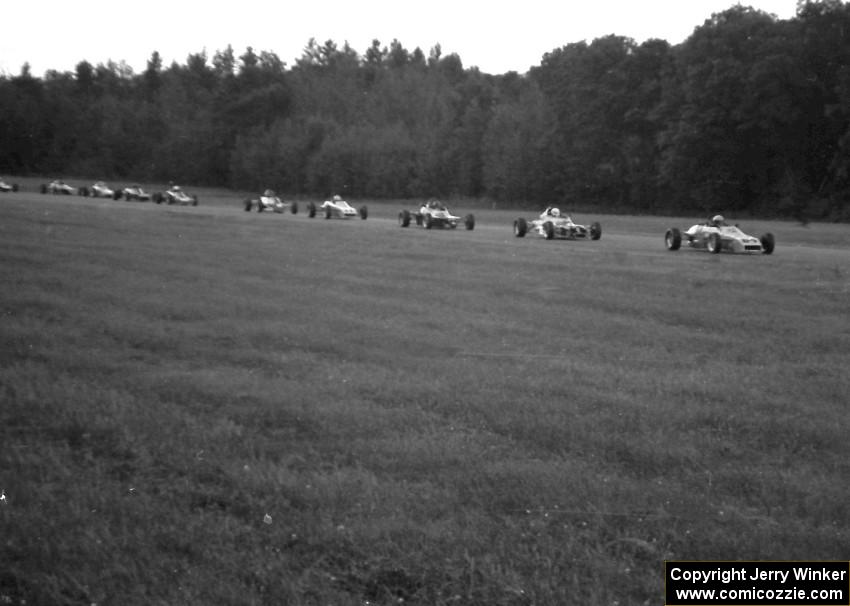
715 235
100 190
337 208
58 187
552 224
435 214
6 187
135 193
269 201
175 195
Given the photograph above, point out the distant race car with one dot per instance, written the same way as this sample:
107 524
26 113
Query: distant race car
58 187
6 187
175 195
100 190
269 201
435 214
135 193
715 236
337 208
552 224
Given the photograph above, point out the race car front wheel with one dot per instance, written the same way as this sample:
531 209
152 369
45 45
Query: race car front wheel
673 239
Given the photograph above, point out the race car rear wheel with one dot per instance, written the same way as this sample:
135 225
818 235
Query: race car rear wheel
194 200
673 239
404 218
595 230
116 195
157 197
549 230
293 208
469 222
327 212
768 243
426 221
247 205
520 227
311 210
364 212
43 188
713 245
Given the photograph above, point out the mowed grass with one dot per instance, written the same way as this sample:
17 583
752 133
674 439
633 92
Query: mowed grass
206 406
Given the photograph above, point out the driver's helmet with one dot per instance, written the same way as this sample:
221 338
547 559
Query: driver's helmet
175 188
718 220
555 212
434 203
337 198
268 193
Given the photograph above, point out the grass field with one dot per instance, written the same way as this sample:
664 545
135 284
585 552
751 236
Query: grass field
207 406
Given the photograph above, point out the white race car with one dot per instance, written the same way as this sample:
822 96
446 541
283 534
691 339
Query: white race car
270 201
435 214
100 190
58 187
175 195
6 187
337 208
552 224
135 192
715 236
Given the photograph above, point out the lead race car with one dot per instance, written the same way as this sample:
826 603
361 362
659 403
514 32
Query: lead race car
269 201
337 208
553 224
715 236
435 214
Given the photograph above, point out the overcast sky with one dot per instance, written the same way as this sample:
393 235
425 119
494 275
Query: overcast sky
495 36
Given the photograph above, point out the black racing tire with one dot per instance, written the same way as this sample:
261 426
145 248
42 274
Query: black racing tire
127 197
419 219
260 207
293 208
426 221
84 191
364 212
714 243
116 195
520 227
673 239
549 230
14 187
328 212
43 188
595 230
248 205
768 243
469 222
194 200
404 218
157 197
311 210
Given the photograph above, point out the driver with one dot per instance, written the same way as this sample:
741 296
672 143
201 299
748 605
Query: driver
717 221
552 211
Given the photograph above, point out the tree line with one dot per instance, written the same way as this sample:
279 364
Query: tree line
750 114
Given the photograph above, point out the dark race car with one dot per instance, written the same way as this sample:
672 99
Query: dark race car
435 214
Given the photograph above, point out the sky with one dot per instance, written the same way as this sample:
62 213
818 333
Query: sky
494 36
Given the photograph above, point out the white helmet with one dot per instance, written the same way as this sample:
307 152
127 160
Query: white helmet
337 198
717 220
555 212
